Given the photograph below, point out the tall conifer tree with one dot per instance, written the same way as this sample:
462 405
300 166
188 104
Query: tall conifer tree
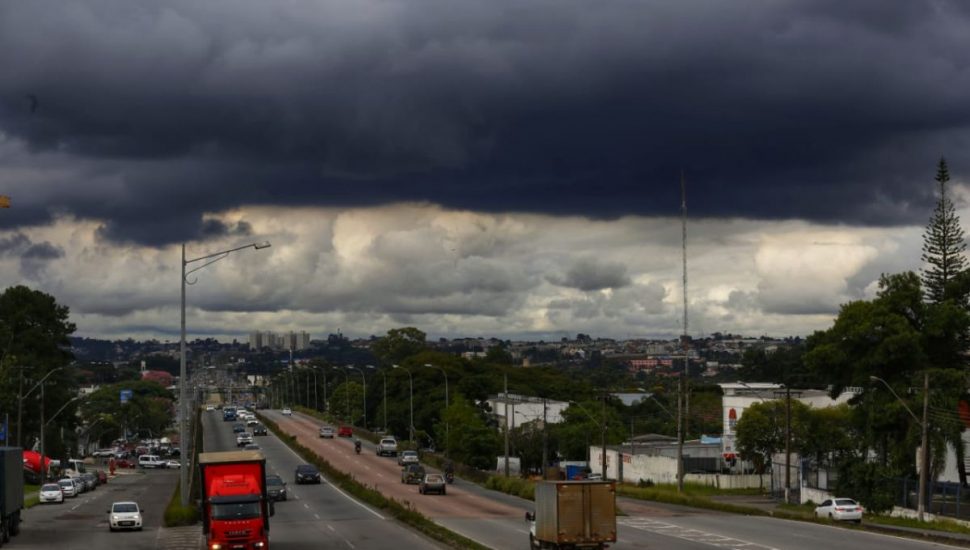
943 244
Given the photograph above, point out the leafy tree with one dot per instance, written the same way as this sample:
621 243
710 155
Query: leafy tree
943 244
583 425
761 430
347 401
399 344
471 440
148 412
35 340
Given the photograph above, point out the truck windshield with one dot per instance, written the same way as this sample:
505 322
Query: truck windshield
236 510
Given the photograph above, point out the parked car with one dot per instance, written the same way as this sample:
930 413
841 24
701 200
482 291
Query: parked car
173 464
210 408
68 487
276 487
286 411
432 483
407 457
345 431
104 453
51 492
259 429
150 461
326 432
307 473
124 515
90 480
840 509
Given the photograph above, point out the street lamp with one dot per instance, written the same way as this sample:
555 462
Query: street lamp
602 434
208 259
384 376
364 380
411 394
924 471
447 404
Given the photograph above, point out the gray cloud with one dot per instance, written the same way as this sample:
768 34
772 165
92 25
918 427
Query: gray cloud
589 274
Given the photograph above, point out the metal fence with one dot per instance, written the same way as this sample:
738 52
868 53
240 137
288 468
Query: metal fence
943 498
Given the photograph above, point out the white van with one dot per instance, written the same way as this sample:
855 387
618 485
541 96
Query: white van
150 461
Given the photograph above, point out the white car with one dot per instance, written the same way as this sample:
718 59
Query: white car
68 487
173 464
407 457
210 408
326 432
124 515
51 493
840 509
243 439
150 461
287 411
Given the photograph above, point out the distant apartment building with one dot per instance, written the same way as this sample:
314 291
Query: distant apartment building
286 341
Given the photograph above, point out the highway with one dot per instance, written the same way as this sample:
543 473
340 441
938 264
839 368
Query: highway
315 516
496 520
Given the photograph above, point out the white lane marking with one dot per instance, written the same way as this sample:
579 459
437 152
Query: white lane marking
307 506
335 488
331 528
686 533
316 516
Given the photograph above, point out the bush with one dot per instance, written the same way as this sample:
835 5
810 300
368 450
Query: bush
519 487
176 515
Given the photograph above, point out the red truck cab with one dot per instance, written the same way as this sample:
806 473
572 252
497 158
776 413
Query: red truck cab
235 507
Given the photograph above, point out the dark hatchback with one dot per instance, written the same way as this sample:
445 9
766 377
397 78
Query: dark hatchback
276 487
237 428
306 473
259 429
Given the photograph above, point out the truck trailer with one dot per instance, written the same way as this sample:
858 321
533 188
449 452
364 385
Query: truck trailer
573 515
12 491
235 505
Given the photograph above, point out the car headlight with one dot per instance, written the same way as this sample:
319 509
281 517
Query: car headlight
115 518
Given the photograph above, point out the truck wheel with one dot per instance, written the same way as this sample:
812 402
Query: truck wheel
15 528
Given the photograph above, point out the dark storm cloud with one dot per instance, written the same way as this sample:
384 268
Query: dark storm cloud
817 109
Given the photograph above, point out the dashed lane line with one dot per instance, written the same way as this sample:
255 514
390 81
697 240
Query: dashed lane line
693 535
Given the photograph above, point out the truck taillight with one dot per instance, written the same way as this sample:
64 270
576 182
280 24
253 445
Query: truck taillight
215 546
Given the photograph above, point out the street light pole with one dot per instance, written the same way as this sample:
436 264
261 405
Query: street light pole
447 404
183 375
411 397
924 471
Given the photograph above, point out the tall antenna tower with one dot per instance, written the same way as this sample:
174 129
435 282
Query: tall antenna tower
681 402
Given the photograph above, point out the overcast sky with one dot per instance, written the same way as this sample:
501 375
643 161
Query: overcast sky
474 167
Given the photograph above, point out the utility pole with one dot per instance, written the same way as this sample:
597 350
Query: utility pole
787 442
924 471
506 425
545 440
603 437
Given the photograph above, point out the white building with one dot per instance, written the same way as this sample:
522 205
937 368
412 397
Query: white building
292 340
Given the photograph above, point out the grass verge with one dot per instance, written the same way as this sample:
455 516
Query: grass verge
177 515
400 511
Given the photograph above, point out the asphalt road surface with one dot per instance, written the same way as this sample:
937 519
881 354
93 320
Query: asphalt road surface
315 516
496 520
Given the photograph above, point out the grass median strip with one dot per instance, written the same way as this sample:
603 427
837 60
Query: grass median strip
400 511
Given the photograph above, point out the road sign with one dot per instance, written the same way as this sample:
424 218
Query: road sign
125 396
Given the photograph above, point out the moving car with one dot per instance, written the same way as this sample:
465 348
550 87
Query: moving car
307 473
345 431
840 509
275 487
412 473
259 429
252 421
238 428
68 487
407 457
243 439
251 447
326 432
387 446
51 493
286 411
432 483
124 515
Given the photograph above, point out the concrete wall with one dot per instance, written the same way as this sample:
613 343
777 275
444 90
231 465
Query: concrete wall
814 495
662 469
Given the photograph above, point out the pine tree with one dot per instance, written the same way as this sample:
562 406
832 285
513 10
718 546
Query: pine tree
943 244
